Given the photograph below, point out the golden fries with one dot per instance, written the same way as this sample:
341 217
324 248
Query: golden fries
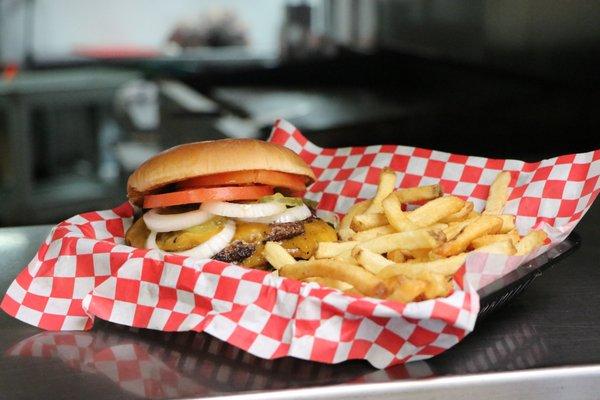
455 228
514 236
387 180
344 230
460 214
373 233
435 210
416 194
530 242
328 282
406 289
362 222
419 254
276 255
346 257
406 256
445 266
486 224
504 247
485 240
393 212
370 261
333 249
498 194
396 256
419 239
438 226
437 285
508 223
364 281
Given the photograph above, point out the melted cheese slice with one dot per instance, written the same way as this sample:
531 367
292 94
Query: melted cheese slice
302 246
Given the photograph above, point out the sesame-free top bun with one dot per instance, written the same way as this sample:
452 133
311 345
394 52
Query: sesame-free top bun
212 157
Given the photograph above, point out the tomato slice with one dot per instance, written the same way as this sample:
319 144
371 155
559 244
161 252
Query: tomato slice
271 178
224 193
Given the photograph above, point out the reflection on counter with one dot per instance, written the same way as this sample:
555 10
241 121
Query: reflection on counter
128 365
153 364
521 347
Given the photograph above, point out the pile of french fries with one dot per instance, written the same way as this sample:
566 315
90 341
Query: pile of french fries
389 253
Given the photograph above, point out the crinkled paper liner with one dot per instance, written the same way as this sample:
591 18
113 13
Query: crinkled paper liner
84 270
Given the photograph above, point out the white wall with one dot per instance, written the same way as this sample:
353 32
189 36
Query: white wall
62 25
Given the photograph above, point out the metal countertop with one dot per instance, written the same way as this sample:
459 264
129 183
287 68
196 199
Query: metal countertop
543 344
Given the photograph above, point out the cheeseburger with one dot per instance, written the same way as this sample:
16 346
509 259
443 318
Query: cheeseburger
224 200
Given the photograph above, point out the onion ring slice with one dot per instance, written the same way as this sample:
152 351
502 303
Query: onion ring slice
204 250
174 222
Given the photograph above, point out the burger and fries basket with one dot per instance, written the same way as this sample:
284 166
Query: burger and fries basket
84 270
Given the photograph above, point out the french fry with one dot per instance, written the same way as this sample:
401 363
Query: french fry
373 233
432 256
484 225
504 247
416 194
408 255
346 233
435 210
394 214
419 239
438 226
345 257
473 214
420 254
413 260
352 291
498 194
437 285
396 256
370 261
460 215
514 236
276 255
333 249
364 281
407 289
488 239
387 180
344 230
485 240
445 266
508 223
455 228
328 282
362 222
530 242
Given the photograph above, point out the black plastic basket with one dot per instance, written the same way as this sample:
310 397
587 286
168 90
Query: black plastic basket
501 291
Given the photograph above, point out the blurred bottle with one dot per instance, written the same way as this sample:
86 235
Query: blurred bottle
217 27
296 38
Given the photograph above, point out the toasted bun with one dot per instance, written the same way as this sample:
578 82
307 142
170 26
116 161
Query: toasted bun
212 157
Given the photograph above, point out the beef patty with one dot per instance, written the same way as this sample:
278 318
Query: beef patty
235 252
239 250
287 230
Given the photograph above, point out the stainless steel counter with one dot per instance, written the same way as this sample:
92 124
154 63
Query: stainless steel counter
543 344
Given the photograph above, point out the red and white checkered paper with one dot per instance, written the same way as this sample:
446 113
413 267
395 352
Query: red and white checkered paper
83 269
130 365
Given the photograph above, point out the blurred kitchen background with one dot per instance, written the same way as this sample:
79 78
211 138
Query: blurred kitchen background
90 89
